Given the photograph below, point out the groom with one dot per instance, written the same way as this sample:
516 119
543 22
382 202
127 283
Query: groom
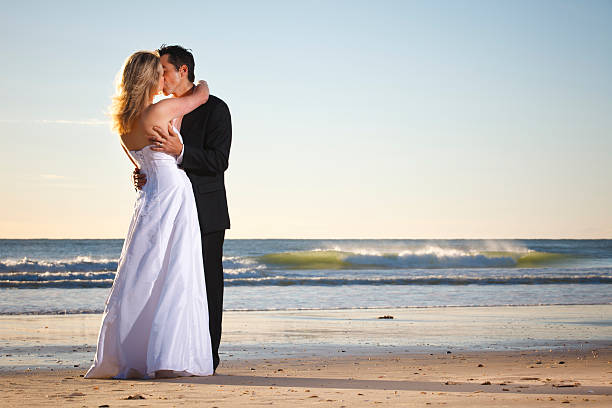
207 134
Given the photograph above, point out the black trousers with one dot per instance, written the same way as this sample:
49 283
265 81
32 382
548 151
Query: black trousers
212 251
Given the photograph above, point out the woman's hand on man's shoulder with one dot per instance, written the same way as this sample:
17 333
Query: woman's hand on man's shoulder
202 91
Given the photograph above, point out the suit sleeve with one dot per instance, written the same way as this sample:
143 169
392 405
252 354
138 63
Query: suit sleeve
213 159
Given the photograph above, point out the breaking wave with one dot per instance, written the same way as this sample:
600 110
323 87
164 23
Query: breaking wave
429 257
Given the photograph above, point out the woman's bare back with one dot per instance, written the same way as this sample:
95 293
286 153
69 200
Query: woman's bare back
142 130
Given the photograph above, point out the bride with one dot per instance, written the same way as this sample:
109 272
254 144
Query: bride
155 321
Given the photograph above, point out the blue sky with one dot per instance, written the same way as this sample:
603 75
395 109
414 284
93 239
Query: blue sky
430 119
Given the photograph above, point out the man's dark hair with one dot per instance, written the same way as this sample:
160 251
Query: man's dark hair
179 56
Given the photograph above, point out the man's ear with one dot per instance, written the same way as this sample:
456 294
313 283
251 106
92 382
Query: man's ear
183 70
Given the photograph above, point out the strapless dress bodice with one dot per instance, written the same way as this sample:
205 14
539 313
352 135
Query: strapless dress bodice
150 159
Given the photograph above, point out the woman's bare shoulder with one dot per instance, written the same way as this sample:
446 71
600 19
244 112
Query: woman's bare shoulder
155 114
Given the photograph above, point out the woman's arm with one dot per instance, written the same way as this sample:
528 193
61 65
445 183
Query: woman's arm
168 109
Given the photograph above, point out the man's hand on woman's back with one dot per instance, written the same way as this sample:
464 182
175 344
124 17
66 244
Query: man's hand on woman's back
139 179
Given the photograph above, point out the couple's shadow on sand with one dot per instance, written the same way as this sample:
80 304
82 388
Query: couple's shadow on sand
386 385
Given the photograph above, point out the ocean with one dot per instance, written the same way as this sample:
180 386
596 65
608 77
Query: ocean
45 276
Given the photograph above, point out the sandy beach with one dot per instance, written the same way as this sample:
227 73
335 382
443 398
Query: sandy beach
518 379
454 356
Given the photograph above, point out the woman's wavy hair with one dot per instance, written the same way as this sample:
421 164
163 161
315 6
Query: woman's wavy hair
136 82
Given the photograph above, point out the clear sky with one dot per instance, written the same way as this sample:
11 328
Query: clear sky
352 119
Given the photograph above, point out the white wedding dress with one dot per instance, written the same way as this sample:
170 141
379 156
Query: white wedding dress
156 316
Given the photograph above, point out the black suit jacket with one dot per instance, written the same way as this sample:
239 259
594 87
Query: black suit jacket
207 137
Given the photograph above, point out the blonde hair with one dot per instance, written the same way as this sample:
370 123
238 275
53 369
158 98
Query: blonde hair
135 83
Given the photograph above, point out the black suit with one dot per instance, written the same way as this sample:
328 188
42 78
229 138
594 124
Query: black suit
207 137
